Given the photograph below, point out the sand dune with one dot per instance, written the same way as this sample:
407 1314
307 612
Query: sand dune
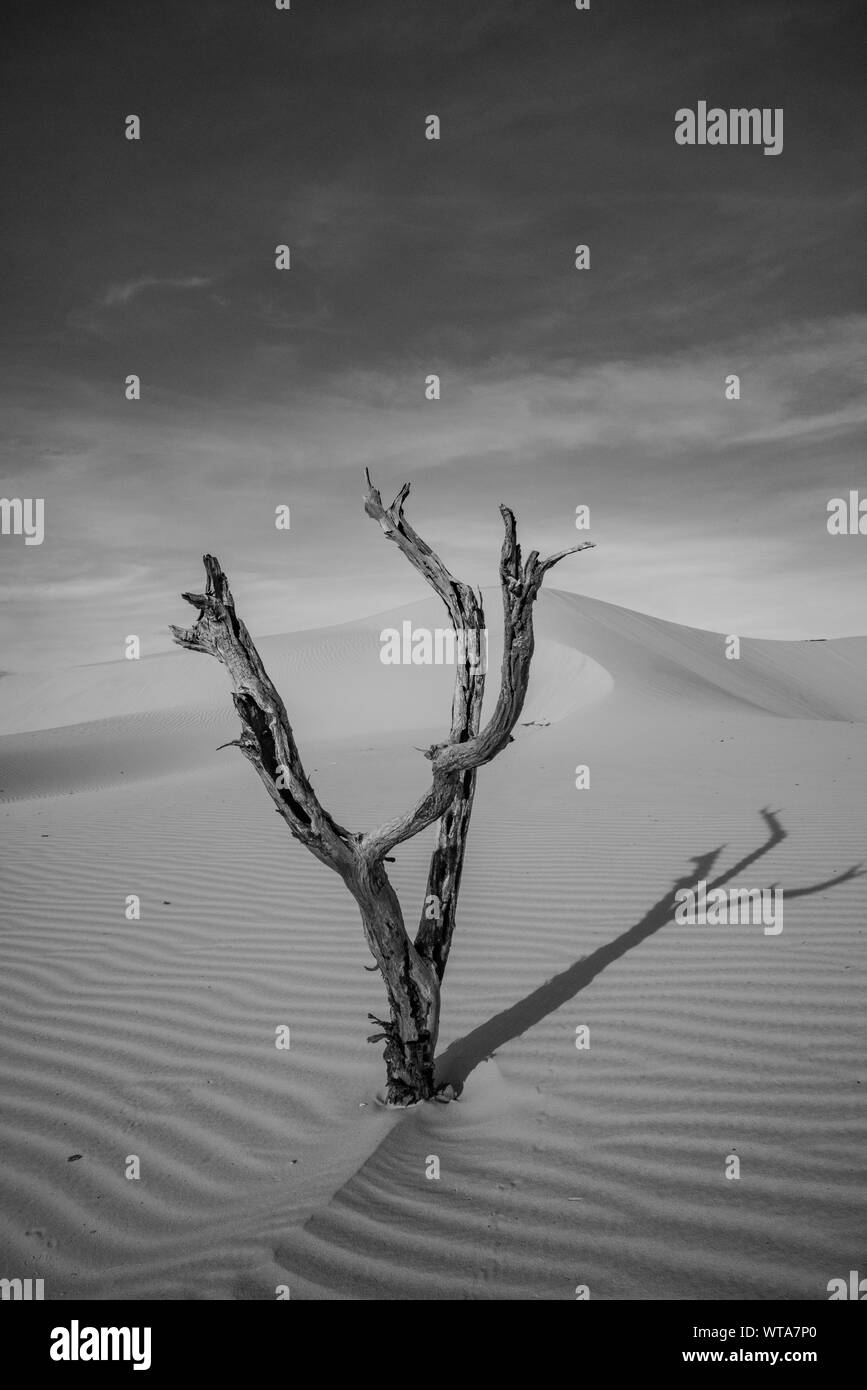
576 636
559 1167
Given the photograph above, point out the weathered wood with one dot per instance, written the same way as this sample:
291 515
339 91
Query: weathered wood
266 740
520 585
466 611
411 970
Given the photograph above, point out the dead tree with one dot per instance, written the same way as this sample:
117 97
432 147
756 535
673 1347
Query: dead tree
411 969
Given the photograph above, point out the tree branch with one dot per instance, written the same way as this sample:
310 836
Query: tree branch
438 913
520 584
266 739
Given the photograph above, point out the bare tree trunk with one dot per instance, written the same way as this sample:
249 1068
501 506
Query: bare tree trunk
412 971
412 986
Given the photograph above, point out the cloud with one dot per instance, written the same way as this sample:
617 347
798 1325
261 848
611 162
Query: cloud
131 289
705 511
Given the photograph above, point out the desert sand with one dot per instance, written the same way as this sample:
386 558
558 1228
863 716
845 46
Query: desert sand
560 1167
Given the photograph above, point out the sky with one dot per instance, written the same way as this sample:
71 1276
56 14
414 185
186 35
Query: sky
560 387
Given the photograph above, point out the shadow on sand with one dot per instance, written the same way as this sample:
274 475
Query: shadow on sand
463 1055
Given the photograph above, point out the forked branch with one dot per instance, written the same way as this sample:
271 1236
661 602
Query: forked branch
466 612
520 585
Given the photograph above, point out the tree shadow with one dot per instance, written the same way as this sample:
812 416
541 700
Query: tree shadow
464 1055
